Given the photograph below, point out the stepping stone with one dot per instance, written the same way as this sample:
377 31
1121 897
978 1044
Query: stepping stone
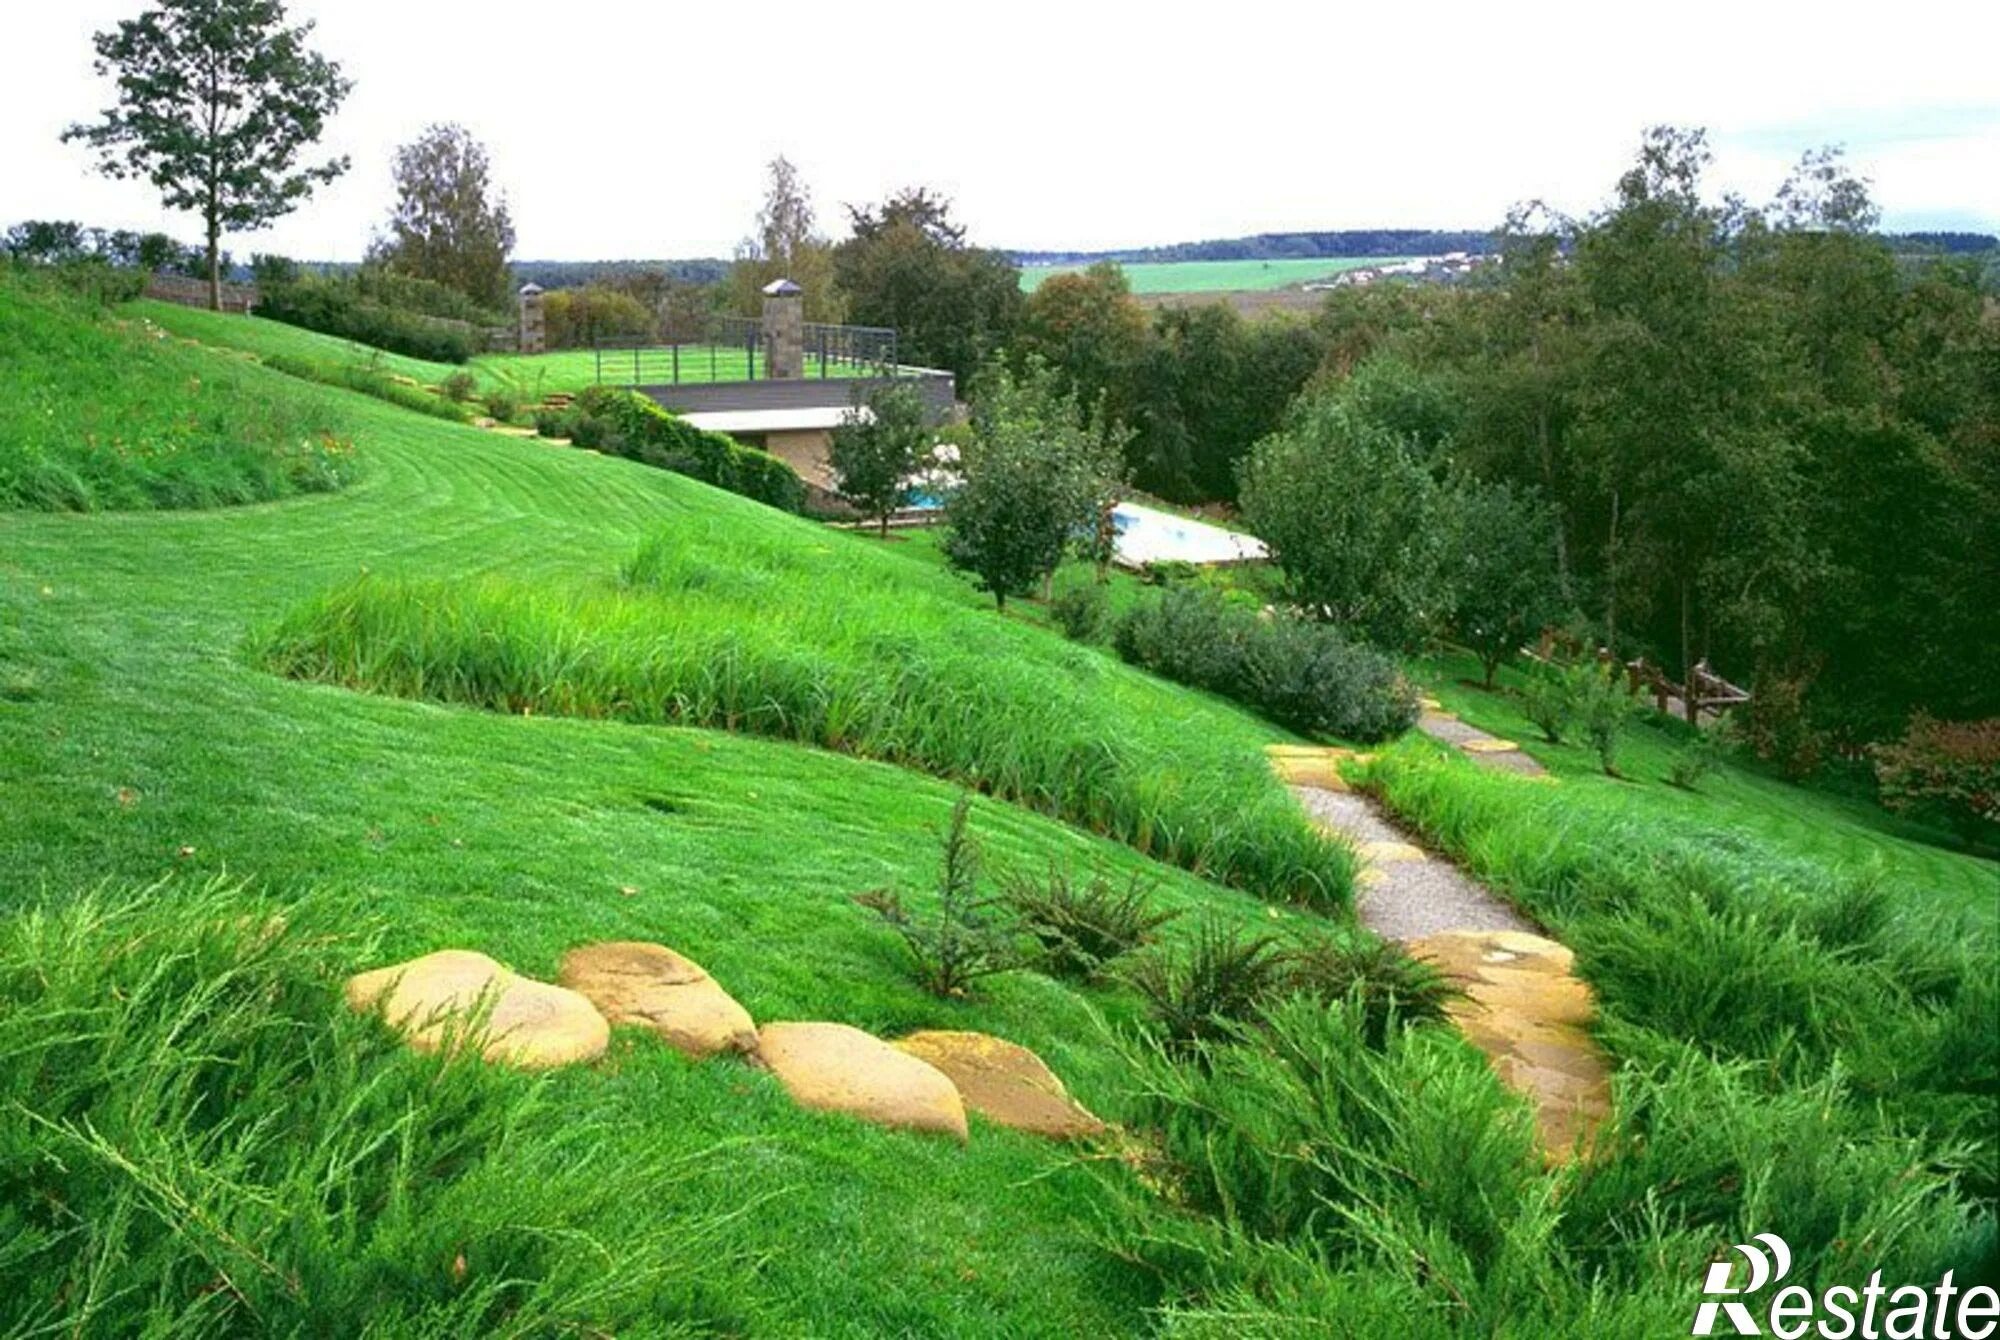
1003 1082
835 1068
1527 1011
1312 764
635 982
1381 853
433 999
1489 745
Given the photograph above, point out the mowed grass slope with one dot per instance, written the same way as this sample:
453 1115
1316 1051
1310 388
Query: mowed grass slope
1734 805
101 416
753 621
137 742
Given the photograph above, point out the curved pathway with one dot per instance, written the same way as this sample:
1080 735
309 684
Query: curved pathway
1489 751
1523 1006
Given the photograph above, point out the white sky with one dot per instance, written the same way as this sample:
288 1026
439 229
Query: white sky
640 129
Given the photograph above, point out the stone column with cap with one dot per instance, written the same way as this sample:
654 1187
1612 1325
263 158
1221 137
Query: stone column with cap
784 329
534 338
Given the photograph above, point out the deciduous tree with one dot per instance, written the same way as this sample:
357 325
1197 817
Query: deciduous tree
450 223
217 101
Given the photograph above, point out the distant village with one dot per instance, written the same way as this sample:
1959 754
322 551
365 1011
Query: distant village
1448 268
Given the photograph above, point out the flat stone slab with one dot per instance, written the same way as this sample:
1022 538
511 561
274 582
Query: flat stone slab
835 1068
1529 1013
1004 1082
651 986
526 1023
1312 764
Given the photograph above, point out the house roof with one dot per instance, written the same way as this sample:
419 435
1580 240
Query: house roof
782 288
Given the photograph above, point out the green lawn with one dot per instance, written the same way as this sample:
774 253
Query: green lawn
1842 833
1216 276
137 742
140 741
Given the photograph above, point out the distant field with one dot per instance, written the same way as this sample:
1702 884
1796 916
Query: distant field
1215 276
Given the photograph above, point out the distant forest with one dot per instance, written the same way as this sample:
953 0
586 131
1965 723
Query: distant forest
575 274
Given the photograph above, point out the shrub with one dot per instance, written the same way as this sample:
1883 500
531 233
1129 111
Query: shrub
1222 977
1695 759
502 405
1355 520
624 423
1946 772
555 423
968 937
1380 981
1302 675
1551 698
1081 610
1082 925
459 387
576 318
339 307
1606 709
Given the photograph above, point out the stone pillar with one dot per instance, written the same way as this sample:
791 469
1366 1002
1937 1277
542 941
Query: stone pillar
533 339
784 329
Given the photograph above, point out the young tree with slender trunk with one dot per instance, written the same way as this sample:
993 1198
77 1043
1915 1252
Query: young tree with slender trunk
217 99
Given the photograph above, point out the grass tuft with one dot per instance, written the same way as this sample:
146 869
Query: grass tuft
828 643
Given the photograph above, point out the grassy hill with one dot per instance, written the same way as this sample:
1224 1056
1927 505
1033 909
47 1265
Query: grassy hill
101 415
140 743
195 1134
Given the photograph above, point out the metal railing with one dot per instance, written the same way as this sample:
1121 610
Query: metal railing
733 348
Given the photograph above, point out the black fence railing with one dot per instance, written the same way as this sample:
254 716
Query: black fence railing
733 348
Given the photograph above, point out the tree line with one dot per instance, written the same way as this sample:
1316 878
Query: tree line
1762 437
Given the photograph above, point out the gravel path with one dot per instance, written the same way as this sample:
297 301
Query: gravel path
1400 898
1477 745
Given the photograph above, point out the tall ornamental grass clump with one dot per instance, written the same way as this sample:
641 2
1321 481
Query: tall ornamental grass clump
764 625
1705 937
95 416
1312 1172
198 1138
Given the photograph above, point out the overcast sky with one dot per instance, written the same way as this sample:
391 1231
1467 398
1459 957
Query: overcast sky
640 129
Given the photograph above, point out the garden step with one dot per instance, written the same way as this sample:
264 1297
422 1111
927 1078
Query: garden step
514 1019
636 982
835 1068
1313 764
1004 1082
1525 1008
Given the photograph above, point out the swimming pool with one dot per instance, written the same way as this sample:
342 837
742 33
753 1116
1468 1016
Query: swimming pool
1148 535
